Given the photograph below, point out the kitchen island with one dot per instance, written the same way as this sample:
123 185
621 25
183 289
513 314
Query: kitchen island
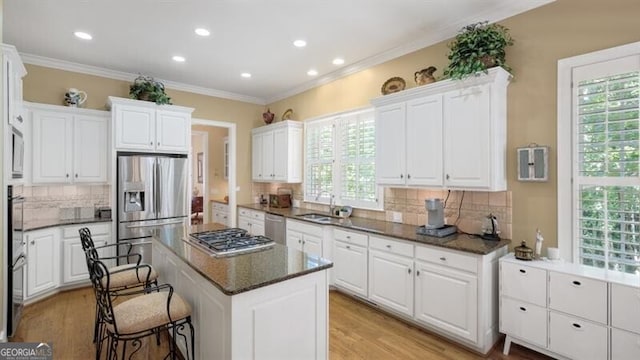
267 304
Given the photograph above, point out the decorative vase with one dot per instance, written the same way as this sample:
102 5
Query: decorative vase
268 116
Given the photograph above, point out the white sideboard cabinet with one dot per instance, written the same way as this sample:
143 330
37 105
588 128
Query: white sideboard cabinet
277 152
570 311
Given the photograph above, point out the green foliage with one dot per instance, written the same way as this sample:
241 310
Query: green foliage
476 48
147 89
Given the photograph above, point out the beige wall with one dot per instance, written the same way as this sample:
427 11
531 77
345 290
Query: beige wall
46 85
543 36
218 185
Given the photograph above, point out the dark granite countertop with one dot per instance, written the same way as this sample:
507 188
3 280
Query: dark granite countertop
47 223
461 242
242 272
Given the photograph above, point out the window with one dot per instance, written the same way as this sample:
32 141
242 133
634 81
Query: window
340 160
600 137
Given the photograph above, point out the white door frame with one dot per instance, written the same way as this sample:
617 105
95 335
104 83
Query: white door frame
231 127
205 173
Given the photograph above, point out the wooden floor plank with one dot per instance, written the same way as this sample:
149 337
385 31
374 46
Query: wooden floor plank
356 331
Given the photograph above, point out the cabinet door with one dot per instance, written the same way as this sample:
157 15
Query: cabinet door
256 158
447 299
90 149
424 141
135 127
350 267
244 223
268 156
391 281
43 258
294 240
74 264
312 244
52 147
257 228
467 130
281 157
390 144
173 130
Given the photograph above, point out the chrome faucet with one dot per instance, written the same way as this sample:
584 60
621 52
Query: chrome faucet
331 198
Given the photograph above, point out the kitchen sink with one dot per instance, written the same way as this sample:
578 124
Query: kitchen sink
319 218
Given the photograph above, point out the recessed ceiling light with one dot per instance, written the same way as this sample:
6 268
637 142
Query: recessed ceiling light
299 43
202 32
245 75
338 61
178 58
312 72
83 35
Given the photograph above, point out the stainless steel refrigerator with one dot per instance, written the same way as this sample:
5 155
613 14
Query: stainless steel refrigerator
152 195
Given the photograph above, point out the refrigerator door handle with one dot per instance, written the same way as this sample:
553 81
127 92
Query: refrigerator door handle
155 224
157 184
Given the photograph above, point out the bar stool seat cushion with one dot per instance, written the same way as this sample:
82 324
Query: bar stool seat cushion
120 277
148 311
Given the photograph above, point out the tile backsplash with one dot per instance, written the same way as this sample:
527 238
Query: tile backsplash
49 202
465 209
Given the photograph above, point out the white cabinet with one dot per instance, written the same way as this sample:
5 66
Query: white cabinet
586 313
220 213
277 152
449 133
305 237
43 261
251 220
145 126
69 144
391 274
74 263
350 261
12 73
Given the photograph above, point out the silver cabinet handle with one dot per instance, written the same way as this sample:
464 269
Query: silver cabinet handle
523 271
299 241
33 242
67 175
158 143
417 272
408 176
409 271
388 246
447 176
151 143
76 176
348 236
401 176
19 118
443 258
348 247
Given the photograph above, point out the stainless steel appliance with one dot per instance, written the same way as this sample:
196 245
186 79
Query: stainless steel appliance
17 154
152 195
435 225
274 228
17 259
490 228
228 242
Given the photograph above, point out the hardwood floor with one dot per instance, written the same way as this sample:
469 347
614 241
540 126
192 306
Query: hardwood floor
357 331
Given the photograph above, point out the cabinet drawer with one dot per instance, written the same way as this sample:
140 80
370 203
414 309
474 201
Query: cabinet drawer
351 237
524 283
447 258
577 338
244 212
625 308
304 227
624 345
575 295
257 215
96 229
392 246
523 320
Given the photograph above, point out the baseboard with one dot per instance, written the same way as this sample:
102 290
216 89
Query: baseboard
3 337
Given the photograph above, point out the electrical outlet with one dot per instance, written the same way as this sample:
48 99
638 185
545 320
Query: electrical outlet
396 216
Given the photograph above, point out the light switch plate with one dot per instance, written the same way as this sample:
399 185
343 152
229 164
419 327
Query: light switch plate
396 216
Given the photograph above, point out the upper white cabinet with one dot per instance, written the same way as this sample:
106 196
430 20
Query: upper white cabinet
145 126
12 73
277 152
448 134
69 144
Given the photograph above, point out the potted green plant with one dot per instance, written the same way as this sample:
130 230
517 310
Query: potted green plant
478 47
148 89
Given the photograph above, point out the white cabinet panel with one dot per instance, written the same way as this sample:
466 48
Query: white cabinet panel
90 149
267 155
277 152
449 258
74 265
524 283
577 338
424 141
625 308
447 299
52 147
624 345
350 267
172 131
43 261
524 321
135 127
256 156
564 289
391 281
390 137
251 220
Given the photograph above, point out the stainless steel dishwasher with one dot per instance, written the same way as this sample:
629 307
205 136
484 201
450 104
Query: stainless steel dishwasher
274 228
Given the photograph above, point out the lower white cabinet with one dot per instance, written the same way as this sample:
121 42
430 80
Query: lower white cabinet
391 281
43 261
447 298
251 220
74 266
570 310
350 267
220 213
305 237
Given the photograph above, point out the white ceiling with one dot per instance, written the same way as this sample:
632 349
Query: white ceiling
255 36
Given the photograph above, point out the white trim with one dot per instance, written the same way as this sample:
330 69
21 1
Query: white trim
126 76
566 194
232 128
204 136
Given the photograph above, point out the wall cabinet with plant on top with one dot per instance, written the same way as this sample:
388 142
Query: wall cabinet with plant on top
277 152
145 126
69 144
449 134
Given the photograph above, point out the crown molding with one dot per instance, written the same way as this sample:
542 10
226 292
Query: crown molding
125 76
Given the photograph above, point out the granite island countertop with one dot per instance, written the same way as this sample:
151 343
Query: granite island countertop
242 272
461 242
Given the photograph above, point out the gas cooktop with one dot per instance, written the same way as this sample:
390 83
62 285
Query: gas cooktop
228 242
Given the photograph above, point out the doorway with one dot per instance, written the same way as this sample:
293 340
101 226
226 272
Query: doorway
213 175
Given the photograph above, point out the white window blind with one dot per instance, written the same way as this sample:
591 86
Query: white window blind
606 174
340 160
